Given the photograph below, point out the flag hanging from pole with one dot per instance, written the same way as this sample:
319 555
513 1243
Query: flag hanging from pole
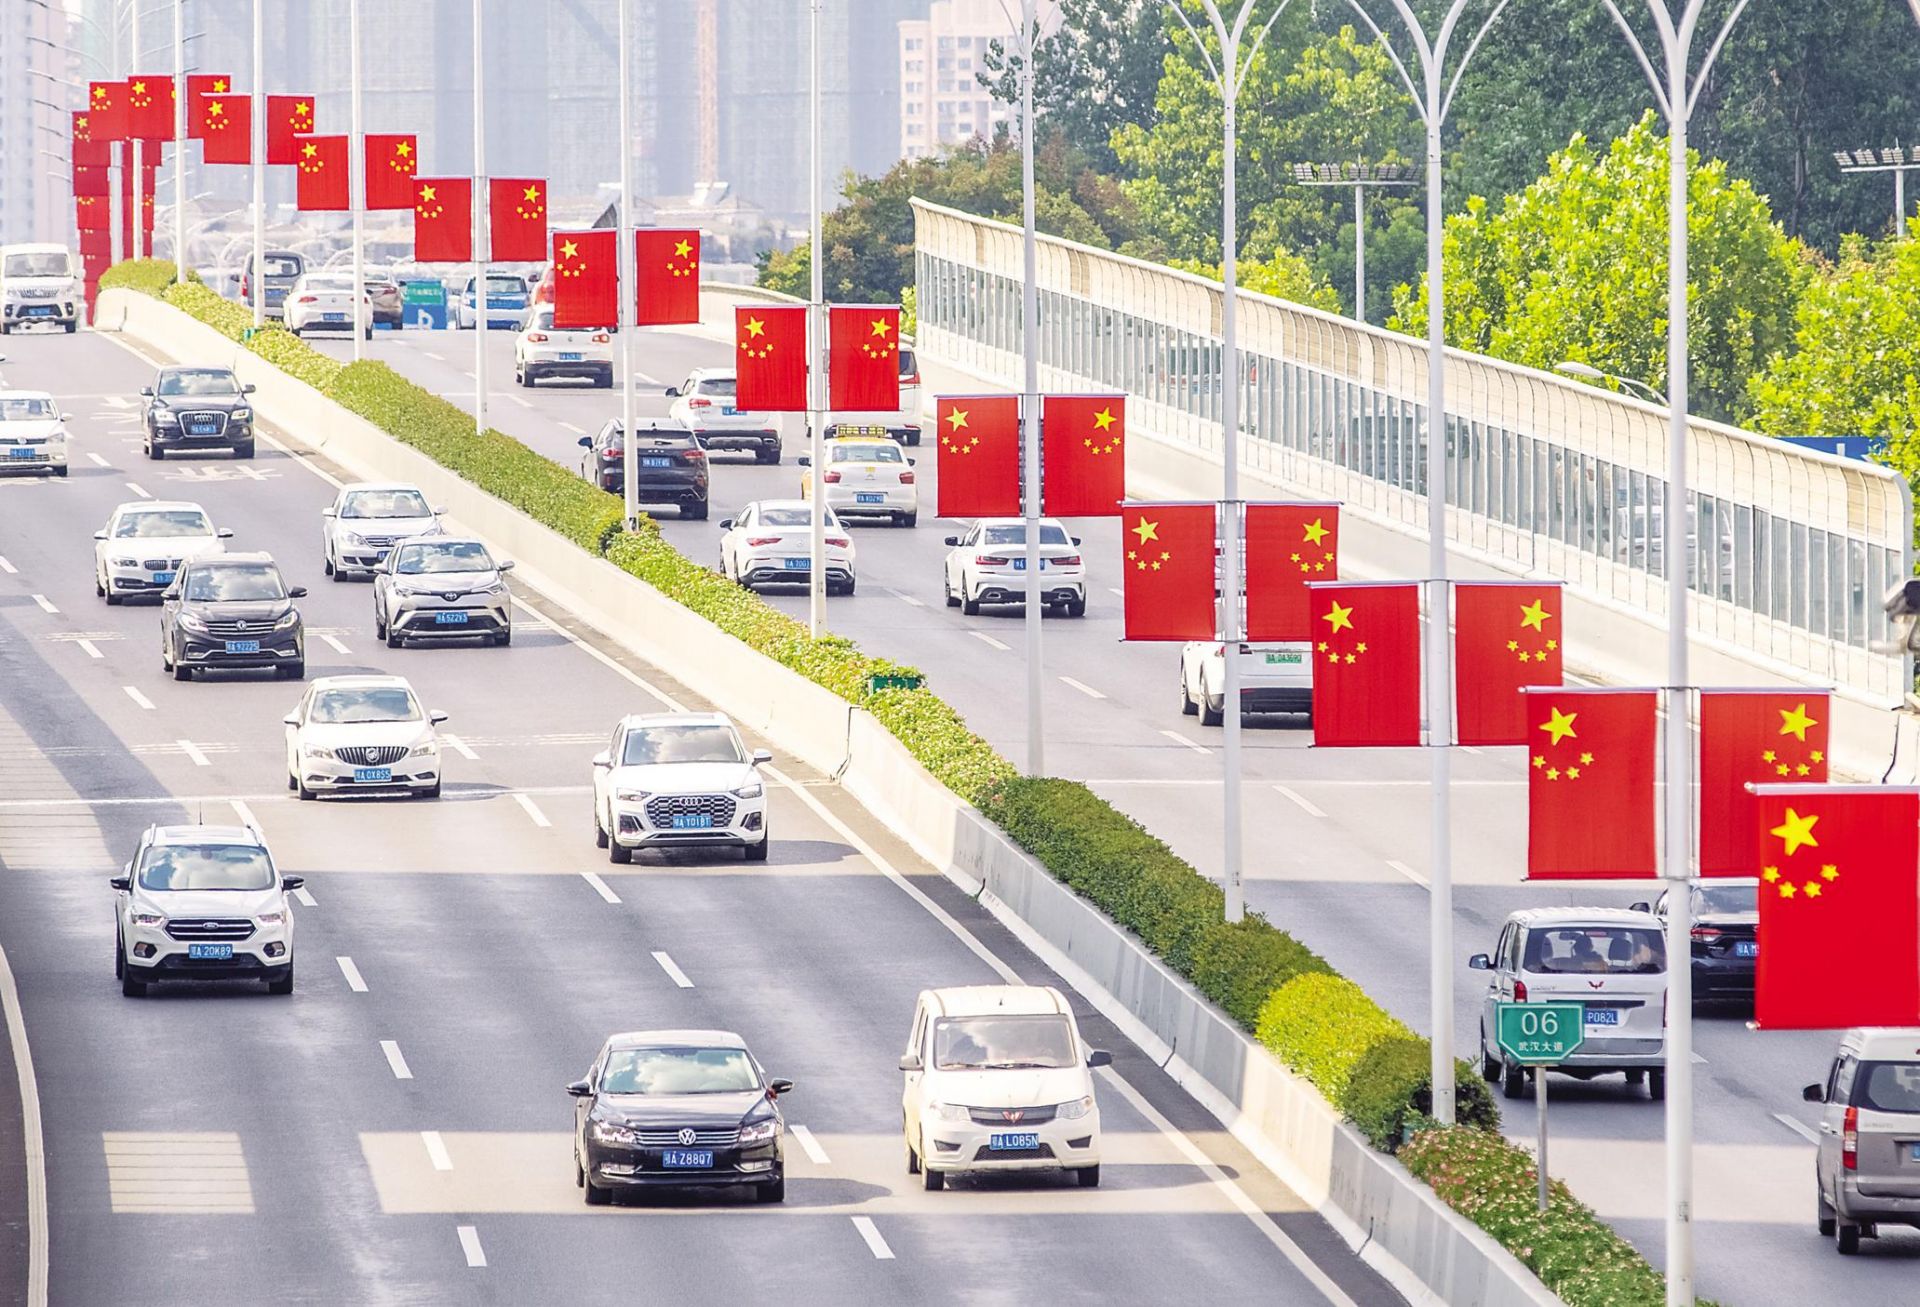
666 264
443 219
770 358
978 455
107 110
586 278
226 128
390 163
1590 784
90 214
1083 455
1166 569
88 152
1506 636
1287 546
92 183
200 85
517 220
863 358
1753 737
1366 663
289 117
322 184
150 109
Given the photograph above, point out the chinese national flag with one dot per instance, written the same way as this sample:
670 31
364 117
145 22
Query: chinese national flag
1758 737
323 164
978 458
1287 546
586 278
95 242
150 108
289 117
770 359
92 183
107 110
1168 571
87 151
226 128
390 164
443 219
200 85
1839 906
1505 635
517 216
863 358
666 266
91 214
1083 454
1366 663
1590 784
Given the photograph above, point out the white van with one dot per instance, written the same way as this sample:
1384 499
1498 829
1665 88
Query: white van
38 283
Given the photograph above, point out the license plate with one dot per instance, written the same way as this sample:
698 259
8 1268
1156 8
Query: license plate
863 497
40 311
569 357
1913 1152
212 952
18 452
796 564
655 461
202 429
1011 1142
729 411
1746 948
449 619
1283 659
333 317
163 578
684 1159
372 775
1020 564
1603 1016
692 821
243 646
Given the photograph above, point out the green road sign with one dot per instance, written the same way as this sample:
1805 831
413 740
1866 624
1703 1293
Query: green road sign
1539 1034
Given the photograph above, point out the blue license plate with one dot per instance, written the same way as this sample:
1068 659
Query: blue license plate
202 429
1603 1016
372 775
212 952
796 564
729 411
1913 1152
449 619
163 578
243 646
692 821
570 357
685 1159
333 317
655 460
866 497
19 452
1746 948
1020 564
1011 1142
40 311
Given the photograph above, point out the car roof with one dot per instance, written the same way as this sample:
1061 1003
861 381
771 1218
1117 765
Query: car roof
1533 918
379 485
365 680
781 503
195 367
254 558
189 835
708 374
1883 1043
997 1000
13 393
1016 521
656 1038
639 720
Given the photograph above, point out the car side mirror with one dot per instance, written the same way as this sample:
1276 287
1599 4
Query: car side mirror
438 509
911 1062
951 540
762 755
147 391
298 592
1814 1093
1642 906
172 592
585 442
1480 962
224 533
126 883
436 717
912 463
580 1088
291 883
326 512
726 524
248 389
1099 1057
291 719
602 759
100 535
672 392
507 566
806 460
1075 539
779 1087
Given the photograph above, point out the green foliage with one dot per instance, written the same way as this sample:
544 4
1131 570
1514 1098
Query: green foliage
910 311
1238 965
1096 74
223 315
1575 267
148 276
1390 1093
1283 275
1320 1024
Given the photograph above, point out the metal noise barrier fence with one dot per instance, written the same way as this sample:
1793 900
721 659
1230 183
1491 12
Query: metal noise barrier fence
1791 551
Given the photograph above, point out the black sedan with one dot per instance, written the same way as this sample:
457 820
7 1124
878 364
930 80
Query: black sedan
1726 942
673 1109
670 466
198 408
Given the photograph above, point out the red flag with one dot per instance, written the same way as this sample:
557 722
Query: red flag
390 164
586 278
107 110
1759 737
770 358
323 164
226 128
666 264
95 242
200 85
1288 545
1590 784
1366 663
863 358
1083 453
289 117
88 152
1168 571
517 217
92 183
978 458
1506 635
150 108
443 219
91 214
1839 906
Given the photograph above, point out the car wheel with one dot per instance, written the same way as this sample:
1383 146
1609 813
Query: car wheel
909 519
599 831
243 451
1829 1219
181 672
1076 607
1846 1239
1636 1077
1210 715
120 973
327 567
946 591
1513 1081
132 988
99 587
970 606
1088 1176
394 639
293 671
113 600
72 327
694 512
283 985
1188 708
758 852
431 792
932 1181
293 782
913 1158
61 470
1489 1065
596 1196
155 452
618 853
294 332
1656 1085
306 795
774 1191
505 637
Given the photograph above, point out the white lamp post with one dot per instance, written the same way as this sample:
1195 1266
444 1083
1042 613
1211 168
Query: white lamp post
817 350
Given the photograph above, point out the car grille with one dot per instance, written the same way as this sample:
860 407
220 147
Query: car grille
371 755
705 1138
226 928
662 810
200 418
238 626
37 293
23 440
379 542
160 564
1011 1116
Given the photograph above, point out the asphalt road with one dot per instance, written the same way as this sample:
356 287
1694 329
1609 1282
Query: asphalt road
403 1139
1337 841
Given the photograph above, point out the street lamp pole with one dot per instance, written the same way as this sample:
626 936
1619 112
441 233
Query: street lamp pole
257 283
817 348
1587 372
134 143
179 141
1896 160
1360 176
1030 401
356 176
626 320
481 223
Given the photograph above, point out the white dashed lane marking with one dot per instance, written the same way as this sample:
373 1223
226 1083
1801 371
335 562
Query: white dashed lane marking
352 973
97 460
1178 738
600 886
1408 872
46 604
192 751
306 900
672 969
988 640
134 694
92 649
532 810
470 1244
138 492
459 746
436 1150
244 813
1305 804
401 1071
875 1243
333 644
1805 1131
815 1153
7 567
1083 687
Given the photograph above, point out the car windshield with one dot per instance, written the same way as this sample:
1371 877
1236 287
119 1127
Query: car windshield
44 263
1724 900
722 387
1888 1087
1017 535
542 320
503 286
198 381
787 517
908 365
163 522
32 408
705 743
206 866
1002 1043
1595 950
385 503
282 265
376 703
231 583
679 1071
452 556
868 454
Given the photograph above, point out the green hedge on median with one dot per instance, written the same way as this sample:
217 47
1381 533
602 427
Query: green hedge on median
1372 1068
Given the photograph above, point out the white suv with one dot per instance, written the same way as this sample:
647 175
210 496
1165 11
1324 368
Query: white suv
1274 678
704 404
999 1079
202 903
679 780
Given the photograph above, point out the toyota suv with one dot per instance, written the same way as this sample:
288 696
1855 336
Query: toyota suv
231 611
440 586
198 408
1867 1164
202 903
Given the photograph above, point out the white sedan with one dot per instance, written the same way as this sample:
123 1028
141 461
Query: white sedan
771 543
544 351
366 520
679 780
1274 678
987 564
323 301
140 549
33 435
363 733
866 477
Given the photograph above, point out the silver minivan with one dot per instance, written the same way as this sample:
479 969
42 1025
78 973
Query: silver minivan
1867 1165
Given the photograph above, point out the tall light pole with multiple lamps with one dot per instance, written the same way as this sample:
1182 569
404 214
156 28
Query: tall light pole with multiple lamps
1362 177
1896 159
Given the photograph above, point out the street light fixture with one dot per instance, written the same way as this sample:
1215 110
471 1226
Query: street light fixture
1898 160
1587 372
1359 176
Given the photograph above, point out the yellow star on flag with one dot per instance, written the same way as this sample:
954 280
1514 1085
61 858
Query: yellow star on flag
309 149
1796 722
427 194
1797 831
569 250
681 249
300 110
881 327
139 88
1146 530
1341 618
402 149
532 193
1535 615
755 327
219 86
1314 532
957 419
1103 419
216 109
1559 725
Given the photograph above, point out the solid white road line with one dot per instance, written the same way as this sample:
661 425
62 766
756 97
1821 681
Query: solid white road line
470 1245
815 1153
984 638
1305 804
36 1144
1083 687
244 813
600 887
578 431
306 900
7 567
436 1150
45 603
1178 738
459 746
93 650
352 973
134 694
138 492
871 1233
192 751
1408 872
399 1064
437 358
1805 1131
97 460
674 973
532 810
334 644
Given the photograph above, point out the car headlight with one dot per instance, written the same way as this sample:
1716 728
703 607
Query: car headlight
149 919
165 417
632 796
315 751
424 750
271 918
192 623
751 790
242 415
607 1133
354 538
950 1112
1073 1111
289 620
758 1132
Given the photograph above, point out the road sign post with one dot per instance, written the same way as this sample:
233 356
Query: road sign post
1540 1035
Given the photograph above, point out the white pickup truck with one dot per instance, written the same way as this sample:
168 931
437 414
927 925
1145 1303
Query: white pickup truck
1274 678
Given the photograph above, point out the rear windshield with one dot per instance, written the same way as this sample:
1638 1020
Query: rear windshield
908 366
233 583
720 386
163 522
506 286
1722 900
26 410
868 454
1595 950
210 866
788 517
282 265
199 381
1888 1087
44 263
1017 535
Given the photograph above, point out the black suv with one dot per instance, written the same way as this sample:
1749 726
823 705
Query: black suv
670 466
231 611
198 408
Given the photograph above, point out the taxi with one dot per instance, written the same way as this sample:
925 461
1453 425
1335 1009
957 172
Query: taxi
866 477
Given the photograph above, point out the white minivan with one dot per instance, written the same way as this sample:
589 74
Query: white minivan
38 284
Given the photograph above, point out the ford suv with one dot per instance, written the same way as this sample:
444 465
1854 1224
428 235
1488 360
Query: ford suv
202 903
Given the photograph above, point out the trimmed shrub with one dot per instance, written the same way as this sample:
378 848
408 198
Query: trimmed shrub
148 276
1321 1024
1390 1093
1239 965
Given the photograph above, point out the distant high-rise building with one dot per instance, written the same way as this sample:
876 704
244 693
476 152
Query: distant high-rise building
941 100
37 69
